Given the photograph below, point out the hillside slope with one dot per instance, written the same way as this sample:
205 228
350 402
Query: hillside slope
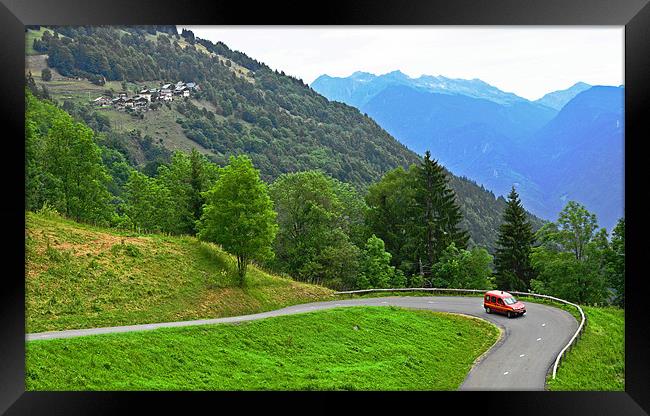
280 122
79 276
243 107
580 155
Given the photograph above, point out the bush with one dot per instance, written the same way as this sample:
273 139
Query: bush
462 269
46 74
49 211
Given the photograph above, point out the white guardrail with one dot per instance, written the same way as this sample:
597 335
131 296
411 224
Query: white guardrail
559 357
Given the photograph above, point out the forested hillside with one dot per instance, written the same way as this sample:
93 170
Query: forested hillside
243 107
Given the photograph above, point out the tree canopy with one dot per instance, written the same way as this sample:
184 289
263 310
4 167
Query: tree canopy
318 218
571 259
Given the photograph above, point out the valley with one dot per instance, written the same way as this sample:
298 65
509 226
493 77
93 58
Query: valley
565 145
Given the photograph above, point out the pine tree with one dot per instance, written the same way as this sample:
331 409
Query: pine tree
440 215
512 259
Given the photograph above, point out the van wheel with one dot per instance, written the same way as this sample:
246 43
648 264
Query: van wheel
488 310
509 314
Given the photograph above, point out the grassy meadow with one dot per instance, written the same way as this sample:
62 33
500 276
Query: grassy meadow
597 362
353 348
80 276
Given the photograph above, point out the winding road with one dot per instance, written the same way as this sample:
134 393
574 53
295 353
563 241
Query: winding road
519 360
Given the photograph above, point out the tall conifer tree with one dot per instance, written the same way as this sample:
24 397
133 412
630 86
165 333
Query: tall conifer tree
438 222
512 259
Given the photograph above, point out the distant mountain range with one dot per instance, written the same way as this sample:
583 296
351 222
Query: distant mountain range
568 145
361 87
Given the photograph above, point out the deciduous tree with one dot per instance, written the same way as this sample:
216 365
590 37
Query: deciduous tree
239 214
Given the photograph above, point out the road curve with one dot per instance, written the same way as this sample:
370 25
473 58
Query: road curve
518 361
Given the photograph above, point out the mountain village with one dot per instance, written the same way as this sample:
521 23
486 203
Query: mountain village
143 100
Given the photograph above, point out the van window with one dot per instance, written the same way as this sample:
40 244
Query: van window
500 302
494 299
487 298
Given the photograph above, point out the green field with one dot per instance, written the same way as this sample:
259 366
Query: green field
597 362
356 348
159 124
80 276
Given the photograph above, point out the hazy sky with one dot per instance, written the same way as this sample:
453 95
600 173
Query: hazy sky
527 60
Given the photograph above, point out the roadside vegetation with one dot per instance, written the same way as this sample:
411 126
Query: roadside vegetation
597 362
81 276
356 348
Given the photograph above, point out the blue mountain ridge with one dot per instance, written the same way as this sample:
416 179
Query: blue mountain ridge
360 87
558 99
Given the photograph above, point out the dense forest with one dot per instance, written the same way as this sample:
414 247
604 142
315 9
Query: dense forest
281 123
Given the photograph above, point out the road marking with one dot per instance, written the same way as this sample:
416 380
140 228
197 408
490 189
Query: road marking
522 355
539 339
506 373
429 302
384 302
543 324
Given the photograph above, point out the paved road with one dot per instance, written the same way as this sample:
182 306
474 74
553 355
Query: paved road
518 361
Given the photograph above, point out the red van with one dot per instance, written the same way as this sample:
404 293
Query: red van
503 302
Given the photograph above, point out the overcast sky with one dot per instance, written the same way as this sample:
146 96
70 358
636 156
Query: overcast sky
526 60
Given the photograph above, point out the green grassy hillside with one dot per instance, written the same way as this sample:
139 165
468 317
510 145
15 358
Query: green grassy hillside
79 276
360 348
598 360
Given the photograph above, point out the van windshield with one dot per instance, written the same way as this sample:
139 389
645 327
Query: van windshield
510 301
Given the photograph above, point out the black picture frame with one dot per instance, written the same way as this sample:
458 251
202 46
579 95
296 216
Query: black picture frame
16 14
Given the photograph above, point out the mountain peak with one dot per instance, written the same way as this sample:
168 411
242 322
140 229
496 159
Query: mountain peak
558 99
322 78
396 74
359 74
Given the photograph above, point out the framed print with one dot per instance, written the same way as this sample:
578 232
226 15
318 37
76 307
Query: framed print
419 202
